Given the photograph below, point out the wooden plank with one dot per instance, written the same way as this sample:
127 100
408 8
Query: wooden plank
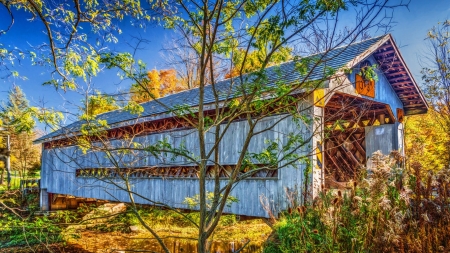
407 83
332 159
387 59
404 96
356 144
403 78
396 74
388 47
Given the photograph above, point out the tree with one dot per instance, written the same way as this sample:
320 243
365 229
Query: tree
19 120
158 84
436 78
99 103
215 31
178 55
427 141
15 113
15 120
76 33
25 156
255 59
19 126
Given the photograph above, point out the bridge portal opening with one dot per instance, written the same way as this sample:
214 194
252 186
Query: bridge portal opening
346 121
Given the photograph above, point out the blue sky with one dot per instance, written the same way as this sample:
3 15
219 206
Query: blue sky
409 32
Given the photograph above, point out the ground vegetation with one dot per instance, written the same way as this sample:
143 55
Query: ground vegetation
389 209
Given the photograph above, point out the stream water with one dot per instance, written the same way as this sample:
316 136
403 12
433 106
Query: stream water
183 246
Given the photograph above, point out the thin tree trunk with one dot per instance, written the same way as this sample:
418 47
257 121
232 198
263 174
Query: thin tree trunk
8 164
202 243
1 176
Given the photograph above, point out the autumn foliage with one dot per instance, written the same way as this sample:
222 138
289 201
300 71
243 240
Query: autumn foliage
100 103
246 62
158 84
428 136
427 141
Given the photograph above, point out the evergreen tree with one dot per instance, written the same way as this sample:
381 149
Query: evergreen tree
16 113
19 123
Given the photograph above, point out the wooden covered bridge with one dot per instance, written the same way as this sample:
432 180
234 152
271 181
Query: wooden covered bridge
356 116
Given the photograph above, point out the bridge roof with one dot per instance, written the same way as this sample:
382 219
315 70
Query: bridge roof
383 48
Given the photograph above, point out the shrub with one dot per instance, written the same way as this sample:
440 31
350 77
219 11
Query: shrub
17 232
390 210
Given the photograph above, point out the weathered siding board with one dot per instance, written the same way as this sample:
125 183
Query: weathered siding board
46 170
380 138
59 167
230 147
385 93
174 193
316 176
292 177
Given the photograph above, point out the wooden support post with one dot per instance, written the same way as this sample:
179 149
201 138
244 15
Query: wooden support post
44 200
318 156
381 119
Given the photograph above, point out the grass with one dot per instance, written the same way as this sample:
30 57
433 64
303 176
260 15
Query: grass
15 184
15 181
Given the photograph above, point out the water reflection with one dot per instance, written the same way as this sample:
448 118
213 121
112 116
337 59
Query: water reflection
184 246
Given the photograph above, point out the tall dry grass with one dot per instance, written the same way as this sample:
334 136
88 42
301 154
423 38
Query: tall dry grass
388 209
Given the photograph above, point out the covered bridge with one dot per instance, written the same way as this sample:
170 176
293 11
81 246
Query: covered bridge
355 117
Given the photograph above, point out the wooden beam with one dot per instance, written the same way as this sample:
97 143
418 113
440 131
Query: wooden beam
392 118
387 59
403 86
386 48
403 78
333 161
413 105
385 65
349 168
409 96
356 144
396 74
371 121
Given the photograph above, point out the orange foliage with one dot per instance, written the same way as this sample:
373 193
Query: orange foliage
159 84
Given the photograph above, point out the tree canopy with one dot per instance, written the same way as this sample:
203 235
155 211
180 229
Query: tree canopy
99 103
18 121
427 141
430 134
16 114
243 62
157 84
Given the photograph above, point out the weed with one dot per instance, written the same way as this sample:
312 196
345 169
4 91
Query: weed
390 210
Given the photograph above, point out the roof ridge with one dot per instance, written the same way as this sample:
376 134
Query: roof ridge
325 51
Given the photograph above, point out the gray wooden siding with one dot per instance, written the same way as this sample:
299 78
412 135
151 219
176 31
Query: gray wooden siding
385 138
380 138
59 165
